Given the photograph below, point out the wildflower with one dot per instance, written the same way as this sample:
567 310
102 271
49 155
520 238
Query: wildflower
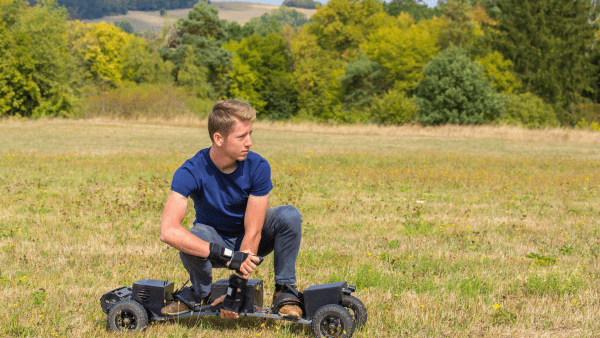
496 306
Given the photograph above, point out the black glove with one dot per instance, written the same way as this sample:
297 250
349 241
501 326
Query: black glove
223 256
235 293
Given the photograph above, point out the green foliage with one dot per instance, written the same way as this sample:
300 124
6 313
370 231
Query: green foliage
527 110
455 91
205 33
316 76
362 82
498 71
461 28
193 75
34 71
548 43
342 25
542 260
403 48
262 75
99 50
267 23
415 8
309 4
286 16
142 64
125 26
583 124
393 108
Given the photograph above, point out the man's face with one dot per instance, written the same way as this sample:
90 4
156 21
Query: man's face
238 142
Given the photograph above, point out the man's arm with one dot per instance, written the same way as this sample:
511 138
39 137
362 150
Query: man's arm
256 210
174 234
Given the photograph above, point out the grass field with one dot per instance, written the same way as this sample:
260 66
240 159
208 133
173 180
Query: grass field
446 232
240 12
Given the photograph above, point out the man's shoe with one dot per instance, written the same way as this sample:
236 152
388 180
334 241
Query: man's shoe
174 309
290 311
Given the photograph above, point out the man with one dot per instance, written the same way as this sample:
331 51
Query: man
230 188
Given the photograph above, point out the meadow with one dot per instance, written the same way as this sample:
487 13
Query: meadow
446 232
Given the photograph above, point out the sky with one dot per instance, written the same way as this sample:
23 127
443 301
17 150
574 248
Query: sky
430 3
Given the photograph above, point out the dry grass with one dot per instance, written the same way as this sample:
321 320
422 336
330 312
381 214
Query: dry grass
435 226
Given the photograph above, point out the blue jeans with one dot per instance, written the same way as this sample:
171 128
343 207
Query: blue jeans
281 234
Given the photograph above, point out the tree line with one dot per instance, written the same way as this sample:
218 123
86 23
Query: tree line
471 62
95 9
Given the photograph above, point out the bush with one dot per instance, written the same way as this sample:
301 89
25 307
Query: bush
455 91
527 110
393 108
144 100
363 81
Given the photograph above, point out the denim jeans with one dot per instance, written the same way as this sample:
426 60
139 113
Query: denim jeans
281 234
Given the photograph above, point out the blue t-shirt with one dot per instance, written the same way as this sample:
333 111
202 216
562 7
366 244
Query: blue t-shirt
220 199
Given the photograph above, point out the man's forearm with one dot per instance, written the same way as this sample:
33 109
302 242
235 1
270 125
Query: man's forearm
251 241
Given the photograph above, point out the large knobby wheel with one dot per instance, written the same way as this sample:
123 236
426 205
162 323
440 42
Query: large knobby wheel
332 321
356 309
127 315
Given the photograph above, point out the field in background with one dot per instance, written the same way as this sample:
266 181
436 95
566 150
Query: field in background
447 232
240 12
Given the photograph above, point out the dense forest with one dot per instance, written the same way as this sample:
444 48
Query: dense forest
522 62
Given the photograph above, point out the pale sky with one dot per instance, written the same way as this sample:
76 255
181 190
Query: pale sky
430 3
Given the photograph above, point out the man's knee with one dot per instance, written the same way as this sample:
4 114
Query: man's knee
290 219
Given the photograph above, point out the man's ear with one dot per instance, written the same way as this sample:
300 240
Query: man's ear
218 139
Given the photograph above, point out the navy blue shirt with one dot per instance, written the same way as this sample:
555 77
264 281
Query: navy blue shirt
220 199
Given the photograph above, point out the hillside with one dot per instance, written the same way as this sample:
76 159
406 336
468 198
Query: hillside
240 12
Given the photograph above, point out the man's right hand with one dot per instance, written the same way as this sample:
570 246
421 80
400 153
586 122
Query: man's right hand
246 266
244 262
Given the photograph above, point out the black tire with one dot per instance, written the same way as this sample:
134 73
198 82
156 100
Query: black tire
357 309
127 315
332 321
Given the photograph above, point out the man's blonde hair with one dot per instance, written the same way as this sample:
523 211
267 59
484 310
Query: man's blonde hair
224 114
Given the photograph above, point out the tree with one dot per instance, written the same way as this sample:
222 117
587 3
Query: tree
416 8
205 33
125 26
461 29
362 82
309 4
342 25
267 23
548 43
403 48
455 91
316 78
99 50
35 67
262 75
142 64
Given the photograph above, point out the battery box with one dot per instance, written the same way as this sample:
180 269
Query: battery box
317 296
152 294
253 296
